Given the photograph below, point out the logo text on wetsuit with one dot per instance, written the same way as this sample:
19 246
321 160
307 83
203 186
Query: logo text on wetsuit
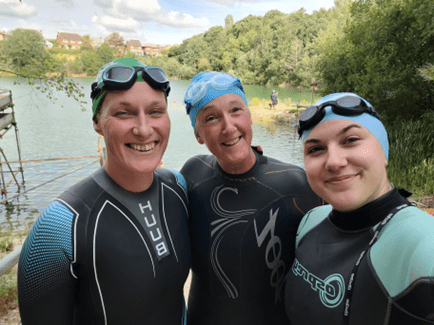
273 253
331 290
153 230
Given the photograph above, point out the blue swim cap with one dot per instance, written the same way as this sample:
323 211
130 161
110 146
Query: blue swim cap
371 123
206 86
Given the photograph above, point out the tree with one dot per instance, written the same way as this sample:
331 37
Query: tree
86 43
91 62
378 54
24 52
229 21
106 53
24 56
114 39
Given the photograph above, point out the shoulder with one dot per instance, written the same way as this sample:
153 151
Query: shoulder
403 253
172 177
286 178
198 167
311 220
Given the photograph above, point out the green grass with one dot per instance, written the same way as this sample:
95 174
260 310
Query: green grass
8 293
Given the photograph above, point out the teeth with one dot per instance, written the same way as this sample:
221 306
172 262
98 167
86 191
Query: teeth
232 142
143 148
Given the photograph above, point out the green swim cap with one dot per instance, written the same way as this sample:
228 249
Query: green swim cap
99 82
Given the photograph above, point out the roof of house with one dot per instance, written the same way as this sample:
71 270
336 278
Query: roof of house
134 42
69 36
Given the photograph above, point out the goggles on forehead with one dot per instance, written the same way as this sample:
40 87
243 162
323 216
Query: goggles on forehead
346 106
121 77
198 89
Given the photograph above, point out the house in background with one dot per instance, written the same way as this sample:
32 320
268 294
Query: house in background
152 50
48 44
96 42
135 47
2 36
69 40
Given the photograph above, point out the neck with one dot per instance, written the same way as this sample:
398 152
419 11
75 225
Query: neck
131 181
239 168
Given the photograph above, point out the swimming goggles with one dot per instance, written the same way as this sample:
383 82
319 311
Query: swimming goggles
208 81
346 106
121 77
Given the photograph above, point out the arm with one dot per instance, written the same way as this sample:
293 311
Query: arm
46 285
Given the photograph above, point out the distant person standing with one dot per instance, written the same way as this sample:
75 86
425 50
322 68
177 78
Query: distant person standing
274 99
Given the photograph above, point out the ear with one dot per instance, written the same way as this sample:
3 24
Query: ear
198 138
97 127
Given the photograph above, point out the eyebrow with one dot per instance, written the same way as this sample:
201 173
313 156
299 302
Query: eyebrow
341 132
232 102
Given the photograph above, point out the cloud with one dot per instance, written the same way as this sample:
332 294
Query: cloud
288 6
69 26
228 3
149 11
116 24
15 9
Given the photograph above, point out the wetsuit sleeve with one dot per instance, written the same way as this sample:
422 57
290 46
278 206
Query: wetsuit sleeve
46 285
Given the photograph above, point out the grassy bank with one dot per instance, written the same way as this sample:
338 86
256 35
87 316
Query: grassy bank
8 282
285 112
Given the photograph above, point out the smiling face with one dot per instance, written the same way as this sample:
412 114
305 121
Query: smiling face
136 126
224 125
345 164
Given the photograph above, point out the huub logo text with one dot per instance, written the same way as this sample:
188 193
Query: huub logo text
153 230
331 290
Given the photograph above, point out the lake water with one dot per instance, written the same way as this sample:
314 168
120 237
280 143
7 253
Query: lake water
48 130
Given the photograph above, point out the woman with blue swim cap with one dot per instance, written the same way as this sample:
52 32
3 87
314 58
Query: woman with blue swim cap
367 258
244 209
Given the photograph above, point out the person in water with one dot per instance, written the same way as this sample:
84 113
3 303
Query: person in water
244 211
114 248
367 258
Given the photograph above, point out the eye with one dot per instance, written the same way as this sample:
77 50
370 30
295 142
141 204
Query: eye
351 140
122 113
210 118
313 150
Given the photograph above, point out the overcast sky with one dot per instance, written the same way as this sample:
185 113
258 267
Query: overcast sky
150 21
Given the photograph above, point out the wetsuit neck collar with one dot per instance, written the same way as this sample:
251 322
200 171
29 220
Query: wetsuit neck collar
368 215
249 175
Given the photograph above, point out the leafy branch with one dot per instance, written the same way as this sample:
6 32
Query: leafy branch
51 85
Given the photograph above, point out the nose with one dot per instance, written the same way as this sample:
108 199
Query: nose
228 124
142 127
335 158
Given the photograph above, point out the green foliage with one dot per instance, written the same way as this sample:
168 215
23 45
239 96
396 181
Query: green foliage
8 293
106 54
24 51
268 50
6 244
86 43
377 53
24 56
91 62
411 155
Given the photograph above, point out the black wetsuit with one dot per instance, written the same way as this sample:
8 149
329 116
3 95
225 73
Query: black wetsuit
102 255
394 284
243 235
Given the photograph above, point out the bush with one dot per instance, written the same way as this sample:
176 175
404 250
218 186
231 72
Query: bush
411 155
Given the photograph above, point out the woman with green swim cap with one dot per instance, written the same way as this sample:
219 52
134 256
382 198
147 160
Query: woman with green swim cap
114 248
367 258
